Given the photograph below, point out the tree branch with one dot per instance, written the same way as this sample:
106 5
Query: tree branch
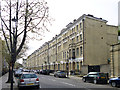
25 32
6 40
27 26
39 21
5 24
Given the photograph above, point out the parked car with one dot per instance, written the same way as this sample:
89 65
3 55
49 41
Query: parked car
45 72
40 72
26 70
35 71
18 73
60 74
114 82
96 77
28 79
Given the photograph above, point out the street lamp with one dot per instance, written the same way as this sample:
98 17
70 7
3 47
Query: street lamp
15 21
14 48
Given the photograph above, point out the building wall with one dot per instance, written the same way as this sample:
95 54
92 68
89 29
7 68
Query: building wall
84 70
98 36
119 13
95 35
115 60
0 57
84 42
112 34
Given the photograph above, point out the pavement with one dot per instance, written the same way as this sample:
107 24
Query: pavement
6 86
75 77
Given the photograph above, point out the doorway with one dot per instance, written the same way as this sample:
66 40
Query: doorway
94 68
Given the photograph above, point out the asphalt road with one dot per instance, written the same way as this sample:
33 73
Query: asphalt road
48 82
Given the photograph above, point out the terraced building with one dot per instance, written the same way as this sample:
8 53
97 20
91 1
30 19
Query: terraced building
81 47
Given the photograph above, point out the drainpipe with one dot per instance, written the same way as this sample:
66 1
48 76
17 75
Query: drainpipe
48 56
83 38
113 60
56 52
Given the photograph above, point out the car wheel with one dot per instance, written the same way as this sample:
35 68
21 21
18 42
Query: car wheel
84 80
95 81
19 88
113 84
106 81
37 87
57 76
18 85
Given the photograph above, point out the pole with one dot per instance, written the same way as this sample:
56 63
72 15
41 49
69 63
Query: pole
11 69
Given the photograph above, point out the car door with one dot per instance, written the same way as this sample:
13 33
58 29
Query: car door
87 77
91 78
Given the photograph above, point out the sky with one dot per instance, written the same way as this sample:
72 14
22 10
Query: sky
65 11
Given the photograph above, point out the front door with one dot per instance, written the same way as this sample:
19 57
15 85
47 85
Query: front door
73 66
58 66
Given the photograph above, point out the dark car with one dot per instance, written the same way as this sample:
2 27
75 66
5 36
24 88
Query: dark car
96 77
45 72
114 82
38 71
60 74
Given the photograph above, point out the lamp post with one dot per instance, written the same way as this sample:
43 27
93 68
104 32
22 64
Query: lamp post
13 52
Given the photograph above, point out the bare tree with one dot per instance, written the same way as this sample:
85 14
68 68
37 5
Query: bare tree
6 56
22 19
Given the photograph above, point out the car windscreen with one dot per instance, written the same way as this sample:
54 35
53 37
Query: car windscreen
103 74
93 75
29 76
18 71
61 72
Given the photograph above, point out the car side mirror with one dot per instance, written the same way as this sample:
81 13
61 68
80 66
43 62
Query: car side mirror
87 75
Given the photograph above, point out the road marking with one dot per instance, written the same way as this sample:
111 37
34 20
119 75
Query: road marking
68 83
40 86
48 79
61 82
41 77
53 80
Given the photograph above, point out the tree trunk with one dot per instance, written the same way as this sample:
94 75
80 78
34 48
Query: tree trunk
9 80
9 75
13 58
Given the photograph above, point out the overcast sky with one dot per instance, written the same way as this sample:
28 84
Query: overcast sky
65 11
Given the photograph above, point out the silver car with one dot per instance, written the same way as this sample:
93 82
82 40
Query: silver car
60 74
28 79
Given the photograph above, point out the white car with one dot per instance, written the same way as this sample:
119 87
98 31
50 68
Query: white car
28 80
